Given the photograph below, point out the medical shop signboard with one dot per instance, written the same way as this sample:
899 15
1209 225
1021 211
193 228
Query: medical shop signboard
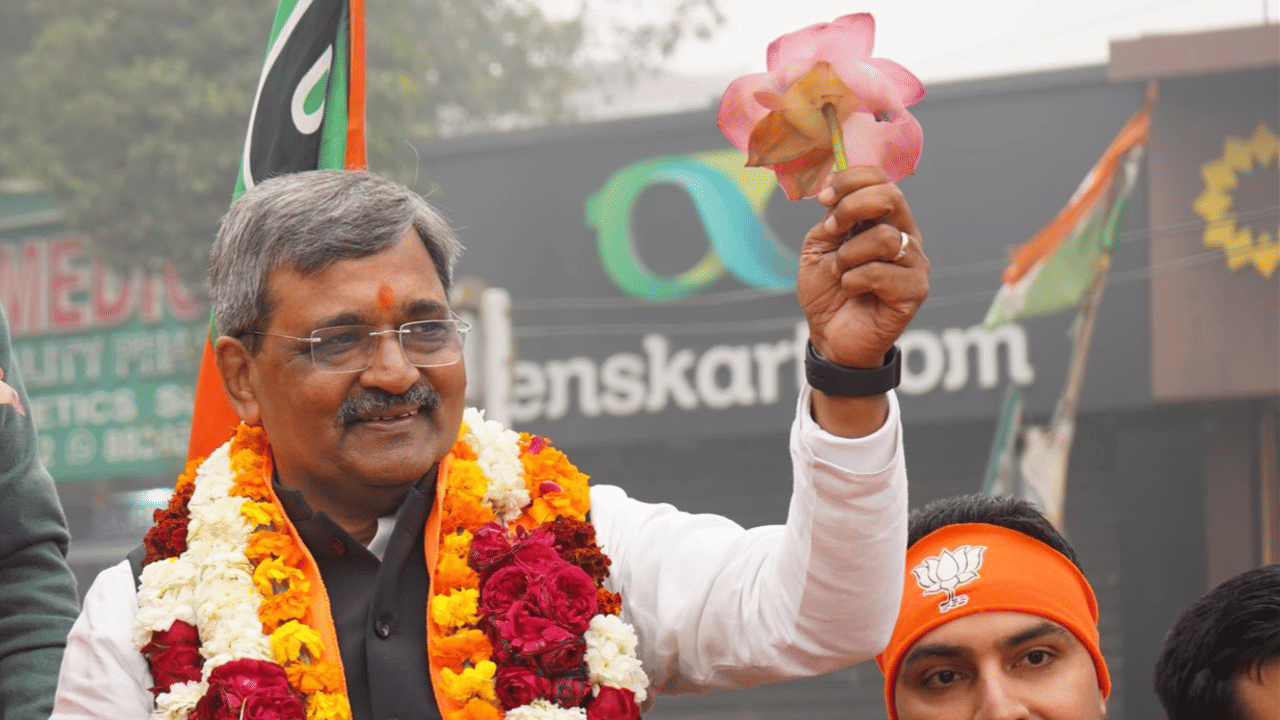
109 360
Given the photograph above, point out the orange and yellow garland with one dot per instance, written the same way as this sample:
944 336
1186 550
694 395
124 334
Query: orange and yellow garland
278 558
293 606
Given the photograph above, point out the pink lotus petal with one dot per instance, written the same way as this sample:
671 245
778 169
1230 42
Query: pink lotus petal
851 36
876 94
790 73
790 179
739 112
806 175
894 146
770 100
910 89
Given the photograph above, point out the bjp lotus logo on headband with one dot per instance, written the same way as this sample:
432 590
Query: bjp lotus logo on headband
948 570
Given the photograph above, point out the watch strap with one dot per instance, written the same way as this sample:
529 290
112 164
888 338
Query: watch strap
840 381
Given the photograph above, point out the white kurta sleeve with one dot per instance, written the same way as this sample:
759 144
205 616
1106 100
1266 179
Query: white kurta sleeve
103 675
717 606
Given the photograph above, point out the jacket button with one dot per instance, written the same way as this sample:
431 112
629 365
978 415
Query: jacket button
338 547
382 627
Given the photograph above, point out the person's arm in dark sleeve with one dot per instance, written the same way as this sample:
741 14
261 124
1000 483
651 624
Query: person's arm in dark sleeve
37 590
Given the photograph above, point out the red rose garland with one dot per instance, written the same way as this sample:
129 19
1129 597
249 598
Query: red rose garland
541 634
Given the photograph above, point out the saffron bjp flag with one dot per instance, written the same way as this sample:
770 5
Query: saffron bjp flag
307 114
1052 271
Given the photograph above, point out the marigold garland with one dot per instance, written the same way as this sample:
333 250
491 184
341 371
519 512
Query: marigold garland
497 479
277 575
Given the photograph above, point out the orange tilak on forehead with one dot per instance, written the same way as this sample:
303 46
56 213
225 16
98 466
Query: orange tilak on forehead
386 299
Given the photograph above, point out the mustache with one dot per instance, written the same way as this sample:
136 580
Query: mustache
375 400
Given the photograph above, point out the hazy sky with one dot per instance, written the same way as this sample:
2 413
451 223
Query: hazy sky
941 39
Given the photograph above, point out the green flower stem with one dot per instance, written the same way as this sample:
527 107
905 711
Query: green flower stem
837 137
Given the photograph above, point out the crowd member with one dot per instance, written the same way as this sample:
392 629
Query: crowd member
997 619
330 290
1221 658
37 591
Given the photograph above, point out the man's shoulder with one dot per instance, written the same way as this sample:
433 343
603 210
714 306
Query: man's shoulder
112 592
611 493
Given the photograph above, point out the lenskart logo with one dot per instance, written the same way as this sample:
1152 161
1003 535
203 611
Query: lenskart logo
729 199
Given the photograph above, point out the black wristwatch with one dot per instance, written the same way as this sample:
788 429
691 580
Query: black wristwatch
840 381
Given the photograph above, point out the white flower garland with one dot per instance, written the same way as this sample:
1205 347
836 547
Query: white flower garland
165 594
180 700
210 586
226 601
544 710
611 656
498 453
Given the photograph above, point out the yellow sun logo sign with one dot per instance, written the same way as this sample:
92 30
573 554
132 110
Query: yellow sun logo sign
1221 176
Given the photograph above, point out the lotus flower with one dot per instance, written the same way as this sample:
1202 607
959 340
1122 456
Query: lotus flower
825 100
948 570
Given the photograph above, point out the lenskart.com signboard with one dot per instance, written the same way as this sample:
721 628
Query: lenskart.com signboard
109 362
651 275
688 348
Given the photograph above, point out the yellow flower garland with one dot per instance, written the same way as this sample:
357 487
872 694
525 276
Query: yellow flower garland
286 592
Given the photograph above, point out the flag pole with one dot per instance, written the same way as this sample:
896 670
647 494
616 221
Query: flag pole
1060 436
1002 463
1041 268
1082 331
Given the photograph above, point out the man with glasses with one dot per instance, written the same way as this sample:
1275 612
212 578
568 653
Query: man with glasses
341 356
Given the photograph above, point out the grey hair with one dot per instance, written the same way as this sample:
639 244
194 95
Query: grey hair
308 221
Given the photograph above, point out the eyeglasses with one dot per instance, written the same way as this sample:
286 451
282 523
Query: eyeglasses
350 348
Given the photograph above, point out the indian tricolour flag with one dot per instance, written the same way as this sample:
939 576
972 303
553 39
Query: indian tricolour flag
1063 266
1052 271
308 113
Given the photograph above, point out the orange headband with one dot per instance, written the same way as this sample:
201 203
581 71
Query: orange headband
969 568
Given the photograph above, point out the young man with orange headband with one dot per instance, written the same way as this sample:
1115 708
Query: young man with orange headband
997 620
